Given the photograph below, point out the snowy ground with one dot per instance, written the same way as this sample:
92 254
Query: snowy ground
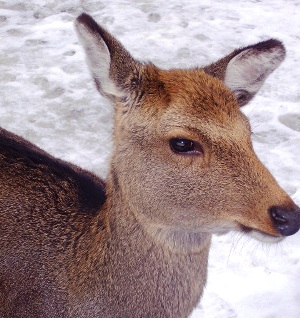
48 97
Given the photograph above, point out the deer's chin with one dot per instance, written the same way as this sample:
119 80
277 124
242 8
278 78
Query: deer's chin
261 236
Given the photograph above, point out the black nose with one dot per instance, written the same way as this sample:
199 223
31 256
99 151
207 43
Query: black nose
286 221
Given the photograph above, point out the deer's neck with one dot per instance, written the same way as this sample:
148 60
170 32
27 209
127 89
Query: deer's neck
148 276
133 272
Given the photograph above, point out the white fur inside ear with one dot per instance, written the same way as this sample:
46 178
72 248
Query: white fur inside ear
249 69
98 59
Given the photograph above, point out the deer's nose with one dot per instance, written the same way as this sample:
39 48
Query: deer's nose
286 221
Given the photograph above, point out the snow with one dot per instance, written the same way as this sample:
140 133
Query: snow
48 97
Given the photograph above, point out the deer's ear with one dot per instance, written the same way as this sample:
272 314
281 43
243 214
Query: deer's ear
109 62
245 70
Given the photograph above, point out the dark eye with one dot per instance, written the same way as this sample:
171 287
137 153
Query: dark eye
185 146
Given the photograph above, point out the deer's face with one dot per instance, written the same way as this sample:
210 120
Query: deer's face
183 156
186 160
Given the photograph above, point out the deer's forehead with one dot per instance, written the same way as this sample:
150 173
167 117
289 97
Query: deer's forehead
190 91
233 125
188 99
203 104
205 94
215 106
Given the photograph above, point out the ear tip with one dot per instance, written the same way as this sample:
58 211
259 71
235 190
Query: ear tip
86 21
84 18
272 45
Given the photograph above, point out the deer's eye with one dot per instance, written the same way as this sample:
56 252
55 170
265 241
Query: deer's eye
185 146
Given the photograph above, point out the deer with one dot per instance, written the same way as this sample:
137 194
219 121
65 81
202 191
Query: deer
182 169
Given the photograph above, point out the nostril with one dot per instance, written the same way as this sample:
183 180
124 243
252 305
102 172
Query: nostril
286 221
277 217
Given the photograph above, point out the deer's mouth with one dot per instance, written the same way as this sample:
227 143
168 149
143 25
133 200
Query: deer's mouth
261 236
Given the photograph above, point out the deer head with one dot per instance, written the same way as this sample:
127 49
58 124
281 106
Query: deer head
183 157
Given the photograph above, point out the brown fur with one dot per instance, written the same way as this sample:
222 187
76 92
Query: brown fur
138 247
